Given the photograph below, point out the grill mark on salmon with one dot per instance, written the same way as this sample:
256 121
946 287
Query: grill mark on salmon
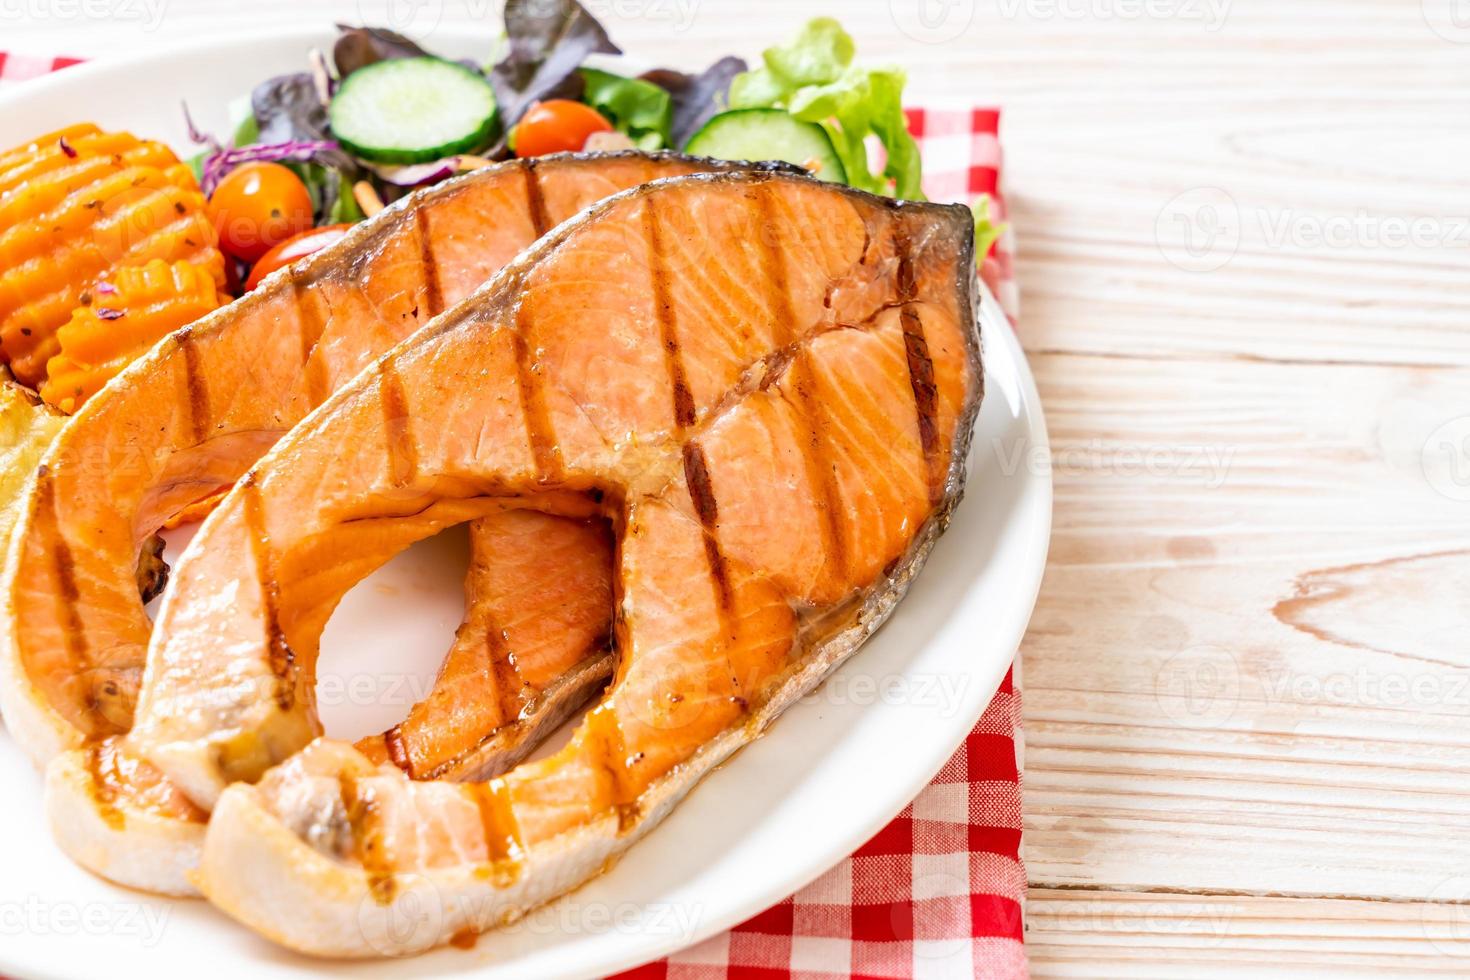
503 672
196 387
536 199
433 290
663 311
926 396
920 364
503 851
696 475
802 384
104 787
539 432
702 494
310 326
361 813
819 476
63 568
282 658
609 752
403 459
397 754
906 287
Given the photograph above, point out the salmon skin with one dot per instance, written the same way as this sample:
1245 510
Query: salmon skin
184 423
765 382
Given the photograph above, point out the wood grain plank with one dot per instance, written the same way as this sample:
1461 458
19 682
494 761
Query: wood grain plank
1123 934
1252 674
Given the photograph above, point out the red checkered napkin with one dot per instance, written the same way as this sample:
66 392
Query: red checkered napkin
938 893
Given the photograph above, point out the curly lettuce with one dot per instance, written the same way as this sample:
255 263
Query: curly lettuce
814 79
987 229
640 109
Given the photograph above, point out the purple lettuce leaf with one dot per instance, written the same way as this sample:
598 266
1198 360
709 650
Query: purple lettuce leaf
696 98
548 41
221 162
359 47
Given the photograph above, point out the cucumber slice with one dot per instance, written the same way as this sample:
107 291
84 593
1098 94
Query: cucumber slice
413 110
768 134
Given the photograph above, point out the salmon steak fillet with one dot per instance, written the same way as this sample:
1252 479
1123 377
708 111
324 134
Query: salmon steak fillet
764 382
181 426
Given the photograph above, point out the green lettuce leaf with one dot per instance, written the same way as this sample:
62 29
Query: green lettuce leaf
815 80
987 231
642 110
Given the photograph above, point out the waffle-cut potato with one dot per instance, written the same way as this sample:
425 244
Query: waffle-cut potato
76 206
142 305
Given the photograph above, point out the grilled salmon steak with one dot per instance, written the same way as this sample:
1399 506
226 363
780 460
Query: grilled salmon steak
765 382
193 414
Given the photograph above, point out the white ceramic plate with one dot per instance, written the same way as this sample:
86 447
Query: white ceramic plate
829 774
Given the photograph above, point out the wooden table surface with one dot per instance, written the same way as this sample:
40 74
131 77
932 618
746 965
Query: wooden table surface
1244 233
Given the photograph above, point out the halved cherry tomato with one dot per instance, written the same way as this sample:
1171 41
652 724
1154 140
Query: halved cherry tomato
557 126
256 207
294 248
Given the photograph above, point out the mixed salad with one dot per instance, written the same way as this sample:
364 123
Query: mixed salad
316 151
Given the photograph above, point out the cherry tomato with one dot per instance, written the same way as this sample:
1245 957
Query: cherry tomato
294 248
256 207
556 126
